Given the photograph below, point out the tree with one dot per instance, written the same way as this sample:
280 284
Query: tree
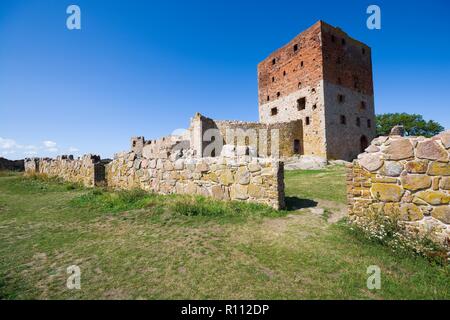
414 124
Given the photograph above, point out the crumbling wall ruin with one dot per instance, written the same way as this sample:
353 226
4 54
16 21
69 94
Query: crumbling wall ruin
88 170
160 148
277 140
243 178
407 178
237 178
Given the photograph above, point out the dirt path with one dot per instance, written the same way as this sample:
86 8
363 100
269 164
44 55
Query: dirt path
331 210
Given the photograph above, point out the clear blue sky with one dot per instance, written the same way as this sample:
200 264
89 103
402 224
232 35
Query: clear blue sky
144 68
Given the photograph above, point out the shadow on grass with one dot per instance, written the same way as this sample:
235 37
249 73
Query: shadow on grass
295 203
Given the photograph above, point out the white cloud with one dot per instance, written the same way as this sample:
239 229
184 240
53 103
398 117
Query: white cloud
179 132
49 144
7 152
7 143
30 147
8 147
12 146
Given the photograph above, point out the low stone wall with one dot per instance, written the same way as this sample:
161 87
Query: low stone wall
87 170
238 178
404 177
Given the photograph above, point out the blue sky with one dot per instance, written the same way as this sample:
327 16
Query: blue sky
145 67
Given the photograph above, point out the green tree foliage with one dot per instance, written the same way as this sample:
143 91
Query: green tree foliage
414 124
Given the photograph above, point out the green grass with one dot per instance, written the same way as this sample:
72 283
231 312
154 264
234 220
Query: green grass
326 184
133 245
7 173
174 205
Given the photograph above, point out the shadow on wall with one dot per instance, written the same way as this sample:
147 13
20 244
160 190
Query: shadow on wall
295 203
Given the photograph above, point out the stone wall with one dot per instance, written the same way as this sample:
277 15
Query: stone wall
260 137
238 178
350 110
241 178
408 178
159 148
31 166
311 114
266 135
88 170
350 124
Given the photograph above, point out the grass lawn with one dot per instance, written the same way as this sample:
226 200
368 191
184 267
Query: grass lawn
326 184
132 245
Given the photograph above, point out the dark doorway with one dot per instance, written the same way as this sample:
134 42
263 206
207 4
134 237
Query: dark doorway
363 143
297 146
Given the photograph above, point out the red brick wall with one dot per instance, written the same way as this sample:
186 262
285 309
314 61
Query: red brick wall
342 64
290 62
345 64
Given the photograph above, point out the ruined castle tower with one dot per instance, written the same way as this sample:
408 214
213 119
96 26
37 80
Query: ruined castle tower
324 78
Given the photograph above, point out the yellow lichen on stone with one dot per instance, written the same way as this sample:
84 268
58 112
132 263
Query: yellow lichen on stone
433 197
442 213
386 192
439 169
416 182
226 177
410 212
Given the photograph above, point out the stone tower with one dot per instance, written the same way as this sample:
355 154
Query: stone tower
324 78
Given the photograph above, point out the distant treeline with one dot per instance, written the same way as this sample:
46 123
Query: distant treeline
15 165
